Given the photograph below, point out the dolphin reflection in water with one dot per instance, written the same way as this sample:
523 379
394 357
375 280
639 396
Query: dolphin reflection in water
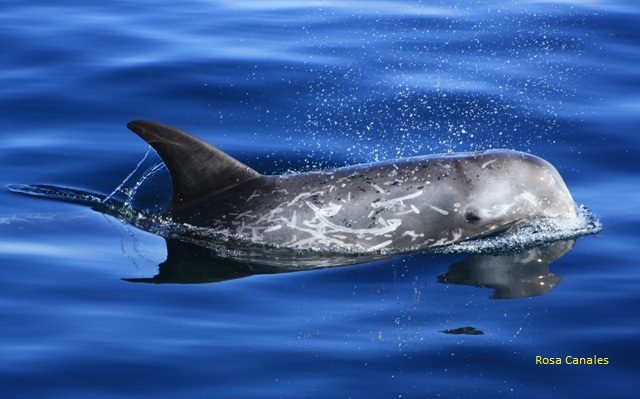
519 275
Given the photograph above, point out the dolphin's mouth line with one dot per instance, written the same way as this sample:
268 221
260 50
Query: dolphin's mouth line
497 231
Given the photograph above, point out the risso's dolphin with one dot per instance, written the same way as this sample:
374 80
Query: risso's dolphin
402 205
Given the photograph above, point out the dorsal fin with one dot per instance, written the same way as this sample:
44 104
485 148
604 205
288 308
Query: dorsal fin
196 168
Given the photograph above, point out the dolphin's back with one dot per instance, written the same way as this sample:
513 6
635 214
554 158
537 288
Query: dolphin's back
364 206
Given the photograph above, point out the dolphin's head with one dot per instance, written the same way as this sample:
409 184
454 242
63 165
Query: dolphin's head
505 187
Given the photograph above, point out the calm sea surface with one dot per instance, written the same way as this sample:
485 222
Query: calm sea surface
299 85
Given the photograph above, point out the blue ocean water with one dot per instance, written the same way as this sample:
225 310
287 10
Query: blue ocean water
299 85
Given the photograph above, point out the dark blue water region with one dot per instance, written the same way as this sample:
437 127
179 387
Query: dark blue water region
298 86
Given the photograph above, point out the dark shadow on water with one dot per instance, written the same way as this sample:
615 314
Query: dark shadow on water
518 275
192 264
463 331
521 275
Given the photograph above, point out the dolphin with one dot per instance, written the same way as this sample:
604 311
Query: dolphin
409 204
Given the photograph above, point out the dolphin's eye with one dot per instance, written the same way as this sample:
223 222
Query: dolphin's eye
471 216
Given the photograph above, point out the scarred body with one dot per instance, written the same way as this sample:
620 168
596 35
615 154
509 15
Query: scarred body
401 205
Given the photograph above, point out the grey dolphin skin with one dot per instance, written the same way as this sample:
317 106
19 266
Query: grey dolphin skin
403 205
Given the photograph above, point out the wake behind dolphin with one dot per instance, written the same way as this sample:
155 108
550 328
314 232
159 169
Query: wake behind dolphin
433 203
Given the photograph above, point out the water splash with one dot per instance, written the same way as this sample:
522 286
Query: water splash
119 187
149 173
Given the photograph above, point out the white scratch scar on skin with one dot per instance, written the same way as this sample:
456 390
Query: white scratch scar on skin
378 188
245 215
484 165
253 195
412 234
391 202
273 228
303 195
439 210
380 246
321 225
